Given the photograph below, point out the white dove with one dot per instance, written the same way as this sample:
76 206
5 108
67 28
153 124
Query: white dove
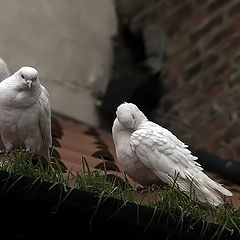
4 72
25 114
150 154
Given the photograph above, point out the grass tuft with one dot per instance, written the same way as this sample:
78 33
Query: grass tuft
168 199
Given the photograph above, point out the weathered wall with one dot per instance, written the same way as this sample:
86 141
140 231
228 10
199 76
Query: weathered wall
201 65
69 42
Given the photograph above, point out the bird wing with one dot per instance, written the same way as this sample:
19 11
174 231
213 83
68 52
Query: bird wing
45 118
165 133
165 155
168 158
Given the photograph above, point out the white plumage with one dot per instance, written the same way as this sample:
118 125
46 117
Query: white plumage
151 154
4 72
25 114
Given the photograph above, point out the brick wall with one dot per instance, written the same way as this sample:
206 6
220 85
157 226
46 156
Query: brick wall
201 67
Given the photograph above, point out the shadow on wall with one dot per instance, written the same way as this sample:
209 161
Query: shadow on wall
132 79
201 61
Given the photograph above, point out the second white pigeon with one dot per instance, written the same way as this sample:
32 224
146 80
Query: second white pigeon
4 72
150 154
25 113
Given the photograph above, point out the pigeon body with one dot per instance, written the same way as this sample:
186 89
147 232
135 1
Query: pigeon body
25 114
151 154
4 72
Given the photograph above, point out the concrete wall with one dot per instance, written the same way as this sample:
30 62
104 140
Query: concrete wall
68 41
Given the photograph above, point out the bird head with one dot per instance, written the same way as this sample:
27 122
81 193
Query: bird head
27 75
129 115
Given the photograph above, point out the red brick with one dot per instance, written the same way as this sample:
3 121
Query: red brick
175 2
238 112
223 34
234 79
175 20
206 28
237 58
201 2
193 70
208 96
233 45
173 48
211 59
193 55
189 24
217 4
183 61
234 10
222 70
175 66
183 11
200 66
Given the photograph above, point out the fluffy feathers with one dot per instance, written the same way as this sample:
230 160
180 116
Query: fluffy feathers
25 114
4 72
150 154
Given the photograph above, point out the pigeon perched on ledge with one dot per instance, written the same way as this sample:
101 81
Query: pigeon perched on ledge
25 114
151 154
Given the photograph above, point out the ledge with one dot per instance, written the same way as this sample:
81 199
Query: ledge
36 209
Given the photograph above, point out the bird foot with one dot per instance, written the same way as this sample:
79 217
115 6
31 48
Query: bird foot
142 190
146 189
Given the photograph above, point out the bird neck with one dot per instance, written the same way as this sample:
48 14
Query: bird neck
25 97
140 122
33 93
118 130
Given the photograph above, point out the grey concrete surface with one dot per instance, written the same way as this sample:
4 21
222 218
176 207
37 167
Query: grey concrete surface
68 41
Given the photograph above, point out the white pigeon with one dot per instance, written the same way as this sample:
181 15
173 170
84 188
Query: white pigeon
150 154
25 114
4 72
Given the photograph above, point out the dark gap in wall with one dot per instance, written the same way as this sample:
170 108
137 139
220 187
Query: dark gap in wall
131 80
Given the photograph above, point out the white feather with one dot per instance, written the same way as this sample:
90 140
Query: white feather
25 114
150 153
4 72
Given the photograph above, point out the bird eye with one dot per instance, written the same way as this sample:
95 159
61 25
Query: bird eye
22 76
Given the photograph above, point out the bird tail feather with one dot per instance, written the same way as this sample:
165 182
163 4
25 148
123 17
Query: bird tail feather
209 192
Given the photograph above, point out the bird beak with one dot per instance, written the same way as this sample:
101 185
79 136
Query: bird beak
29 83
